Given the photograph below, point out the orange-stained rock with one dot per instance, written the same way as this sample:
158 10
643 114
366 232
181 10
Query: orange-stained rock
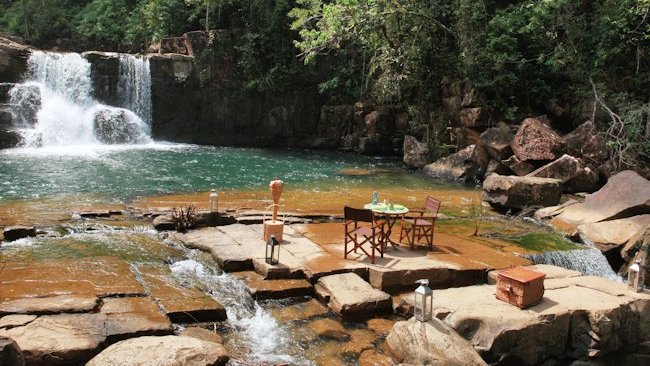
201 333
180 304
380 326
300 311
108 275
360 340
75 338
259 288
372 358
328 329
327 353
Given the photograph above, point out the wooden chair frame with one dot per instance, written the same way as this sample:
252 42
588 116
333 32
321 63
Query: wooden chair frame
373 234
422 225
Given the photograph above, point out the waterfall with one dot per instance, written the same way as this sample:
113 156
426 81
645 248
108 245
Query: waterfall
56 108
267 341
589 262
134 86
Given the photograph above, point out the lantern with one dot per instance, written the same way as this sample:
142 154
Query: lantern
423 301
272 251
635 277
214 201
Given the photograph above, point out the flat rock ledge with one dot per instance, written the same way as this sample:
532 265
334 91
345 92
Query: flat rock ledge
162 351
430 343
76 338
352 298
261 289
581 317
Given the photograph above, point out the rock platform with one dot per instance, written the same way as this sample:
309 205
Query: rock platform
306 253
352 298
579 317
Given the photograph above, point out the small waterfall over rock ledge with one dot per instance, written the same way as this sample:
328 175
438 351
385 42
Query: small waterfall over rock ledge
590 262
55 106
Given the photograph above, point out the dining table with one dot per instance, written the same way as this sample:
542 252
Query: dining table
391 212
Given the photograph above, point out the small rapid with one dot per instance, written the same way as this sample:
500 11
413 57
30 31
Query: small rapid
257 331
589 262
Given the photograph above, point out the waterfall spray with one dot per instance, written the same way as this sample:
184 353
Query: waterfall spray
56 107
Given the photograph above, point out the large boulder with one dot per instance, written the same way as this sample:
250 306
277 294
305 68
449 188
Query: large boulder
585 142
457 166
536 141
519 167
586 180
119 126
512 192
163 351
496 142
625 194
10 353
606 235
379 122
13 60
430 343
416 153
565 168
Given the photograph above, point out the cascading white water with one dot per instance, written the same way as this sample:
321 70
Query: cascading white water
589 262
67 114
260 332
134 86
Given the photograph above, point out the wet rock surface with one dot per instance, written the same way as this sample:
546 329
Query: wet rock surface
180 304
164 351
352 298
260 289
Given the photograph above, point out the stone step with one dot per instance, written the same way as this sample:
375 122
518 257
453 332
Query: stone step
352 298
261 289
73 339
180 304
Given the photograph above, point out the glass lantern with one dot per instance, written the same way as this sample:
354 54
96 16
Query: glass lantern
272 251
635 280
423 301
214 201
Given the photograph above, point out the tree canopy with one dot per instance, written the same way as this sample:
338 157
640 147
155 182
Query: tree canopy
523 57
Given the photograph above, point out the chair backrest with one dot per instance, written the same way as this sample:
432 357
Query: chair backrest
357 214
432 205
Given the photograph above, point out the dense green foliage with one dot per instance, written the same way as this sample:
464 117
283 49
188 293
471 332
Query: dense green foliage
523 57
